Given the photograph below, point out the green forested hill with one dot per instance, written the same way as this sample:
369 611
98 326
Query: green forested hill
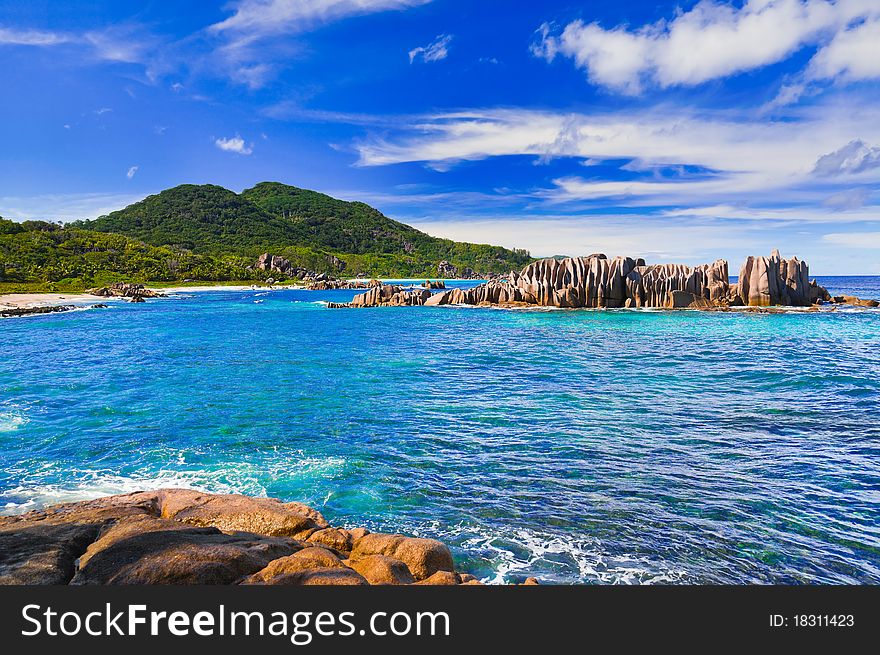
284 219
207 232
201 218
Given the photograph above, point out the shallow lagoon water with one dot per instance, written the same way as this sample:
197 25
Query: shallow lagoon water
576 446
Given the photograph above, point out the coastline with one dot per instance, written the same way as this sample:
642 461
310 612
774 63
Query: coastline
188 537
34 300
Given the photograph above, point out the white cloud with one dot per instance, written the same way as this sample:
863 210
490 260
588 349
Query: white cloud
849 199
852 55
870 240
804 214
122 44
131 172
854 157
437 50
714 40
739 154
234 144
31 37
257 18
251 47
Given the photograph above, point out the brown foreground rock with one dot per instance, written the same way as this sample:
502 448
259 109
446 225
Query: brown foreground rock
180 536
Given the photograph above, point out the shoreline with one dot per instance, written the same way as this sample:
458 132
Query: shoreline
189 537
35 300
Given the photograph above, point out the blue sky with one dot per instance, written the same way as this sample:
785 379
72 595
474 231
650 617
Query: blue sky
678 131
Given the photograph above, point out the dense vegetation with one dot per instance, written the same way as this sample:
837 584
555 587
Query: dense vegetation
41 256
207 232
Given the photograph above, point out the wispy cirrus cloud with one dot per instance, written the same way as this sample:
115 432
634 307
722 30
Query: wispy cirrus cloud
252 19
28 37
437 50
122 43
243 37
861 240
714 40
665 155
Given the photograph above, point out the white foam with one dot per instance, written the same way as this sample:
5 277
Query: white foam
543 551
37 489
12 419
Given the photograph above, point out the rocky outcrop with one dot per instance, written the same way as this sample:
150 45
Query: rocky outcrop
277 264
435 284
598 282
10 312
766 281
324 283
856 302
446 270
132 292
390 295
180 536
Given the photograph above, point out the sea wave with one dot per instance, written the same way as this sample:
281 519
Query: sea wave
48 484
521 553
12 419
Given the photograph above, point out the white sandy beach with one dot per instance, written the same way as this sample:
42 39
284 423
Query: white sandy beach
24 300
228 287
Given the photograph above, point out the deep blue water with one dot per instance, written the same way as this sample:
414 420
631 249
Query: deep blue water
574 445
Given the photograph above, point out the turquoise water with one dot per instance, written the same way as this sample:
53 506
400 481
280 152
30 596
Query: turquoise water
577 446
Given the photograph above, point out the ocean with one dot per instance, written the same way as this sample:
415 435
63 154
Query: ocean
577 446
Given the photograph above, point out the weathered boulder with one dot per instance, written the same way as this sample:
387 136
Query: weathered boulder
818 293
858 302
766 281
651 286
240 513
441 578
284 569
336 576
424 557
147 550
388 295
334 538
134 292
43 553
448 297
181 536
310 566
380 569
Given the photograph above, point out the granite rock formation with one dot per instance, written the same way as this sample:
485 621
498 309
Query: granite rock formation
181 536
387 295
131 292
767 281
598 282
